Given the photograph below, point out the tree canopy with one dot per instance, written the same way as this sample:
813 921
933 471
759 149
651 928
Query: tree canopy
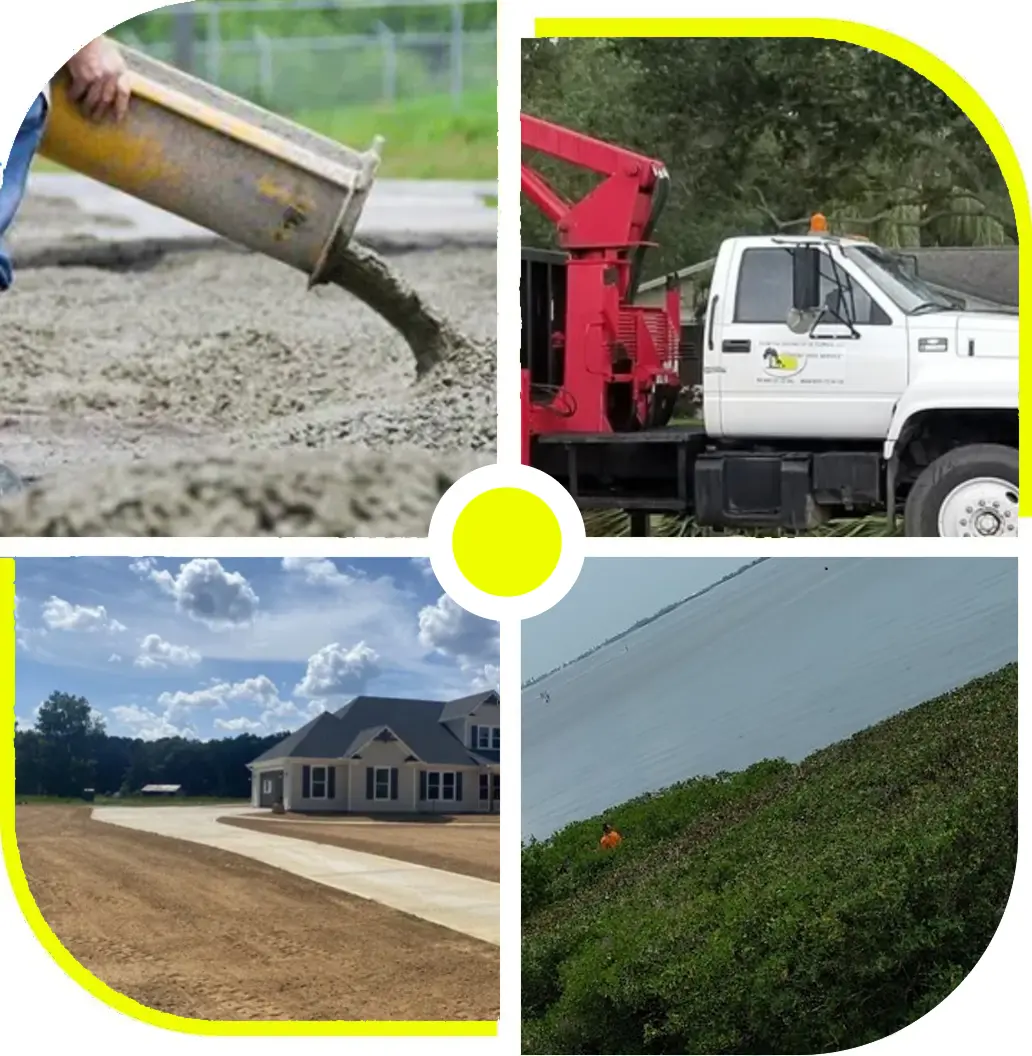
758 134
69 750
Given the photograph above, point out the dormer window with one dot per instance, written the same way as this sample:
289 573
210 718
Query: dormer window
486 738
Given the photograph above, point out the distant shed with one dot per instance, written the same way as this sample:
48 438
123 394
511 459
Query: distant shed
161 790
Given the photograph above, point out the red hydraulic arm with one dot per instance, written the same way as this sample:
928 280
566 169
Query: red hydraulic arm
616 214
619 360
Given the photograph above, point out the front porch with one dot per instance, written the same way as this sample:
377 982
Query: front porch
343 786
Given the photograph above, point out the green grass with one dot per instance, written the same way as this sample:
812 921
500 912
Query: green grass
131 801
802 908
427 139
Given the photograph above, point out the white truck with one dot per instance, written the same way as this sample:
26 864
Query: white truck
833 381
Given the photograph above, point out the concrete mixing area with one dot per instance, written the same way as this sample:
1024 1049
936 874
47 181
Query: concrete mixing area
159 380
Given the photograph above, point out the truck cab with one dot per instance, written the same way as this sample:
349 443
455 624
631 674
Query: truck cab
830 346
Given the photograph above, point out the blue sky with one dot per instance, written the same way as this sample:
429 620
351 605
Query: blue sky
213 647
610 595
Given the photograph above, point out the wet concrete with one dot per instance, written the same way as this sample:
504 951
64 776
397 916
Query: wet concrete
462 903
208 392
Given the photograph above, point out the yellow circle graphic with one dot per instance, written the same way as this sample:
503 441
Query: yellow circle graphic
507 542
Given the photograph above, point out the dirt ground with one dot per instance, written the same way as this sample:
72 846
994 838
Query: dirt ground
198 932
470 848
208 392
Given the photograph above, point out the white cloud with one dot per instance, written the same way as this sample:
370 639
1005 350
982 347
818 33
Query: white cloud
335 671
447 628
114 658
147 725
240 724
204 591
423 567
61 615
259 691
485 678
318 571
156 652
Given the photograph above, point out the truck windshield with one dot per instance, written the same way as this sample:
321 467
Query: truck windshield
907 292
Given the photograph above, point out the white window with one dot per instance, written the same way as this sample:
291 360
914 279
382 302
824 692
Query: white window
318 782
382 783
489 737
441 784
267 786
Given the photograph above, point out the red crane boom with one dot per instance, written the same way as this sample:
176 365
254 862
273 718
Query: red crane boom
592 361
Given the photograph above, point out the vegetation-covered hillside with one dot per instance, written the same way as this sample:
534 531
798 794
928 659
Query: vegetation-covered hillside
785 909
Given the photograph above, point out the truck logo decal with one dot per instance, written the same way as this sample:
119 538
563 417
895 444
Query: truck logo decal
780 364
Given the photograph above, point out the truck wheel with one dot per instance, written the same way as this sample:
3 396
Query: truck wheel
969 491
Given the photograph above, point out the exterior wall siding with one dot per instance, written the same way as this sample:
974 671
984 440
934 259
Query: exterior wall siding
294 784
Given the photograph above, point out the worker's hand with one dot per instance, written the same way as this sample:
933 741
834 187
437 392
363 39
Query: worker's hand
100 81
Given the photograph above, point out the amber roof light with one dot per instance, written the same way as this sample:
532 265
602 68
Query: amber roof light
818 224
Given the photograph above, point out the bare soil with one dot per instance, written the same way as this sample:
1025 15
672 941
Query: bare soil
471 848
202 933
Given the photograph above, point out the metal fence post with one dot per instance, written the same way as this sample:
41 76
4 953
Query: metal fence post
214 46
390 62
458 43
184 19
265 72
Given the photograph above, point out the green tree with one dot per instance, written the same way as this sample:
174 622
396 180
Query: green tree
758 134
68 730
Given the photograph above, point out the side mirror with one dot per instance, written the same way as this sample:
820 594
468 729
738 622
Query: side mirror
802 322
806 279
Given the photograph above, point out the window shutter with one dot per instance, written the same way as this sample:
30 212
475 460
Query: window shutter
369 778
394 782
422 784
473 736
458 786
483 786
306 782
331 782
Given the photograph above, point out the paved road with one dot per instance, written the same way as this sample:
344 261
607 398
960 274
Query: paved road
462 903
397 209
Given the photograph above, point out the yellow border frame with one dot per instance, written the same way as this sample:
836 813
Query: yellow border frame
913 55
86 979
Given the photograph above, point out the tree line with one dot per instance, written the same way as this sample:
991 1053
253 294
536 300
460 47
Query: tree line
69 750
758 134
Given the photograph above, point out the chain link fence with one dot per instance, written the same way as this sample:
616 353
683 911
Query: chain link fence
290 74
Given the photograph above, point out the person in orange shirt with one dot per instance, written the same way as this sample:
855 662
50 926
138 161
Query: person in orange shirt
610 837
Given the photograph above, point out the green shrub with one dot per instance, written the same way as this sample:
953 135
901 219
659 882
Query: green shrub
799 909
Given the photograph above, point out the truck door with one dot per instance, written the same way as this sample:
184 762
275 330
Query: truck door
776 383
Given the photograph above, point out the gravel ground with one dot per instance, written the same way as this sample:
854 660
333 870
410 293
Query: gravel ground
211 393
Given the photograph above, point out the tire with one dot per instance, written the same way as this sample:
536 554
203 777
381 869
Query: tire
991 469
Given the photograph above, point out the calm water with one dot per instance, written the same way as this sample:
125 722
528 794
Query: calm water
791 656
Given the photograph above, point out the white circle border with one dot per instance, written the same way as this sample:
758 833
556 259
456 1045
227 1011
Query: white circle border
492 606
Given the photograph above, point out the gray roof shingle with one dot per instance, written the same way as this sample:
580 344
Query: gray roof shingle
459 709
418 723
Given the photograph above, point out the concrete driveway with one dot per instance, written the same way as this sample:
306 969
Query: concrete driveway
461 903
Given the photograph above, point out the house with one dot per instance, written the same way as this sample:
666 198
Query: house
388 755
